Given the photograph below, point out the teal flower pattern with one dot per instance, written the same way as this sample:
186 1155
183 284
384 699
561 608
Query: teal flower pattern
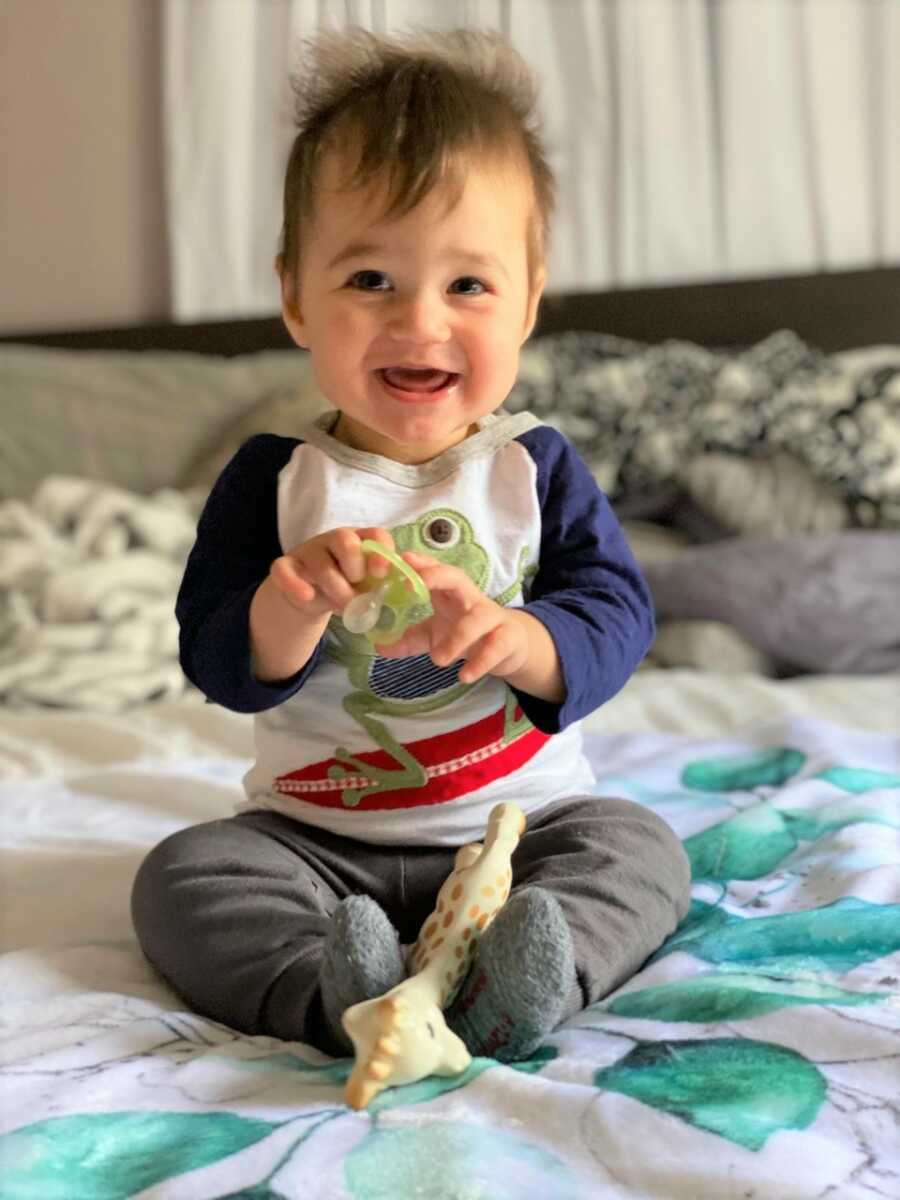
743 1090
767 1022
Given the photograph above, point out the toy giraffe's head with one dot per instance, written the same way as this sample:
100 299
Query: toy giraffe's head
402 1036
399 1038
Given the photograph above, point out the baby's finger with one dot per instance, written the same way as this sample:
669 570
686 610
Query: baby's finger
464 634
345 547
376 565
290 582
323 570
448 583
492 654
417 560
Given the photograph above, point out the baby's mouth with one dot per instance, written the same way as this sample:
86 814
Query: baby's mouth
417 379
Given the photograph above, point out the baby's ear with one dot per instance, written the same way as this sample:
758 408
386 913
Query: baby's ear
290 308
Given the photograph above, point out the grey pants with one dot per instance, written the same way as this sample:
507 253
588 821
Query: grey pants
234 913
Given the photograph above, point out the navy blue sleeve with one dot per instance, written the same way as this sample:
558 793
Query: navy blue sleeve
588 590
237 540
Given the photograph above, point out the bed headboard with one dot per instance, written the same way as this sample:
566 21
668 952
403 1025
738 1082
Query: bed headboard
834 311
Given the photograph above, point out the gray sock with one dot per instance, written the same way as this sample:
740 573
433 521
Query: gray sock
522 982
362 959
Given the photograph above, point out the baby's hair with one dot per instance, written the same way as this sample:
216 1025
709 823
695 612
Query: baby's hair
415 110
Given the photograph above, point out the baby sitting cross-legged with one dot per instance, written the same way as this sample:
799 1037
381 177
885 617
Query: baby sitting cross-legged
417 206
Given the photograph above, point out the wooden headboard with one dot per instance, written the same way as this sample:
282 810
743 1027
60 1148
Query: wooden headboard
834 311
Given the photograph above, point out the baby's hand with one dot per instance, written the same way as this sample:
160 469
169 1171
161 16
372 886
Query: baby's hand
318 576
466 624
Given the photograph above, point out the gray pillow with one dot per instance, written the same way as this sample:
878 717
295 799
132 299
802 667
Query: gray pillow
649 540
768 496
707 646
133 418
285 413
811 602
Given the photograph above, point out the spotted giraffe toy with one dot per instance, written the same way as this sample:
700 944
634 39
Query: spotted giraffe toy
402 1036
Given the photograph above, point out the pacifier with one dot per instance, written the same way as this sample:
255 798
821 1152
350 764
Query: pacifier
386 608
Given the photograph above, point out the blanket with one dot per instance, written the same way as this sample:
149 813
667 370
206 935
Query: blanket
89 573
755 1054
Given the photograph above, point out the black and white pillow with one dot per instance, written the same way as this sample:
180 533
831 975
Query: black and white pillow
639 413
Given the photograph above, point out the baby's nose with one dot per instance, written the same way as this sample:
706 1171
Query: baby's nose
420 318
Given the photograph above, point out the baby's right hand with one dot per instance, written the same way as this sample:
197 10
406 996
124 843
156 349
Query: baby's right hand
318 576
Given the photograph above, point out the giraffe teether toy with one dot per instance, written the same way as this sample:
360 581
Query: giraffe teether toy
402 1036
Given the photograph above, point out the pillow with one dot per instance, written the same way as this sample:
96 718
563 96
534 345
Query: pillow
137 419
637 413
707 646
285 412
763 496
650 541
810 602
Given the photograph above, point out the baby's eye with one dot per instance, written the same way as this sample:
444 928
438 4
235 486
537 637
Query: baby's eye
369 281
468 285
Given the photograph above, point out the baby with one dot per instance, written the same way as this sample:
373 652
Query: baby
416 205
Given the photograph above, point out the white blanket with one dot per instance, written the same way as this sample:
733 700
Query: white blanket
757 1055
89 575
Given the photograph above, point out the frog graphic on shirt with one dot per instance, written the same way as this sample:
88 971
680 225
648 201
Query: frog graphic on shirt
385 687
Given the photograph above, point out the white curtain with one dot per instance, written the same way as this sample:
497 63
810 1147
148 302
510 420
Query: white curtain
692 139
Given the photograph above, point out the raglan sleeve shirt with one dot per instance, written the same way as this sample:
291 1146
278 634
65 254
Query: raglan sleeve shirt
237 541
588 591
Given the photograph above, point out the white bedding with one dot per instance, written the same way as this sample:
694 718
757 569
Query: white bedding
768 1064
88 578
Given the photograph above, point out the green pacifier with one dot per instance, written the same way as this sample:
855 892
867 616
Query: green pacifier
387 607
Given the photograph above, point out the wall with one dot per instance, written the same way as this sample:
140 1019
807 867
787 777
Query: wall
82 240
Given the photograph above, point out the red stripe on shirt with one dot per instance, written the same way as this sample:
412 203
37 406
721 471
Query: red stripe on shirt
458 762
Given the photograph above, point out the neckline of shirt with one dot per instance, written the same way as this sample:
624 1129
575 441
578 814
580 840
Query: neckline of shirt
494 430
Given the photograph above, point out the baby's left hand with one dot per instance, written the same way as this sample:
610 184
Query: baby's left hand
466 624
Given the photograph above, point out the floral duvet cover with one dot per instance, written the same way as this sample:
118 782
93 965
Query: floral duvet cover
757 1054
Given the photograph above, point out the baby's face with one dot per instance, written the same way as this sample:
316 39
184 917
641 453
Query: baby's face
414 324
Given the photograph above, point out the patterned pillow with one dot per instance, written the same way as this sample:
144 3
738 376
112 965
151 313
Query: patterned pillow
639 413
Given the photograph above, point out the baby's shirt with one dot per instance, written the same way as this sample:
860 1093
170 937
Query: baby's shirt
398 750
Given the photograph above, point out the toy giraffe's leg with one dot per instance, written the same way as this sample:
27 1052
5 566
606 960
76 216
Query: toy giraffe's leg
402 1037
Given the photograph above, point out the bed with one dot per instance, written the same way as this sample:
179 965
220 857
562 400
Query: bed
749 435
